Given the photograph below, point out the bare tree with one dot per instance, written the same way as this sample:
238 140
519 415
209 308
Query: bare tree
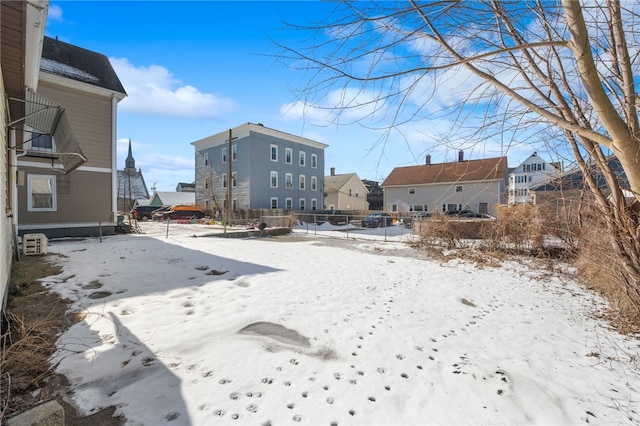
527 68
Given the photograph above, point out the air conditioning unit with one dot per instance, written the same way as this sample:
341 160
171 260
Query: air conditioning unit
34 244
288 185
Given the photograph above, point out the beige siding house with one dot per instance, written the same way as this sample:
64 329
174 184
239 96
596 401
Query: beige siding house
21 31
476 185
345 192
67 179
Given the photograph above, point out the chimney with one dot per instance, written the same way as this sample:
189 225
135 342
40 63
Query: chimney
427 160
460 156
333 171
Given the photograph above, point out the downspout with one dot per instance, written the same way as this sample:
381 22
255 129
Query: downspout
114 159
12 159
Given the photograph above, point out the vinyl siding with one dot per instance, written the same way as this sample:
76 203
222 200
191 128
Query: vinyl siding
435 195
82 197
90 117
6 234
253 168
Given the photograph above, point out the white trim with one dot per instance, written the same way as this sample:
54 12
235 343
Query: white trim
114 157
54 202
60 168
47 77
64 225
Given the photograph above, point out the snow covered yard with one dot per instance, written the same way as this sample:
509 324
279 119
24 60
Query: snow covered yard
310 330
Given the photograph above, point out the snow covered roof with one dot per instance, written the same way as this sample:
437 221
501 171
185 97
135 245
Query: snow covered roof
132 186
79 64
173 198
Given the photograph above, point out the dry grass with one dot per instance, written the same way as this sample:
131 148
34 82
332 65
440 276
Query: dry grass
34 317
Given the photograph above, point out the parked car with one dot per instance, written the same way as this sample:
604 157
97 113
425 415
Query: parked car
375 220
144 213
159 214
334 217
183 212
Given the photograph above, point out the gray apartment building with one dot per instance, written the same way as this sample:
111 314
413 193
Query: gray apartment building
266 168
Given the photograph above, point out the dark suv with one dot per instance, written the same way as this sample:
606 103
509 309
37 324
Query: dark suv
145 212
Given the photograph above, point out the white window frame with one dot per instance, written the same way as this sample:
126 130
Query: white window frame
273 152
302 158
273 179
314 183
288 181
234 179
224 180
314 204
234 152
302 182
302 204
274 202
288 203
206 158
412 191
52 186
314 161
225 154
288 155
234 204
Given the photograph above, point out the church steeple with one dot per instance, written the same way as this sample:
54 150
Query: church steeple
130 163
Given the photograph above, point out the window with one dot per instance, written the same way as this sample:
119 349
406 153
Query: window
206 183
41 191
394 208
288 155
234 204
459 188
274 203
224 154
206 158
314 204
314 161
303 158
224 180
42 142
482 208
314 183
288 203
274 152
234 179
412 191
349 192
274 179
288 180
234 152
301 182
302 203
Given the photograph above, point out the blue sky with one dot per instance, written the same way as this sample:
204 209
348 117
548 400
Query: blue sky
193 69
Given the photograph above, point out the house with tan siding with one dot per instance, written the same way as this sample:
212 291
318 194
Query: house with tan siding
345 191
21 31
476 185
67 175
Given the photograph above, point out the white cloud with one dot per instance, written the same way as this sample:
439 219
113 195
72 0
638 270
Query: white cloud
55 13
344 106
153 90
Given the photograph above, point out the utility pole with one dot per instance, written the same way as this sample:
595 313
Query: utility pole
229 182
